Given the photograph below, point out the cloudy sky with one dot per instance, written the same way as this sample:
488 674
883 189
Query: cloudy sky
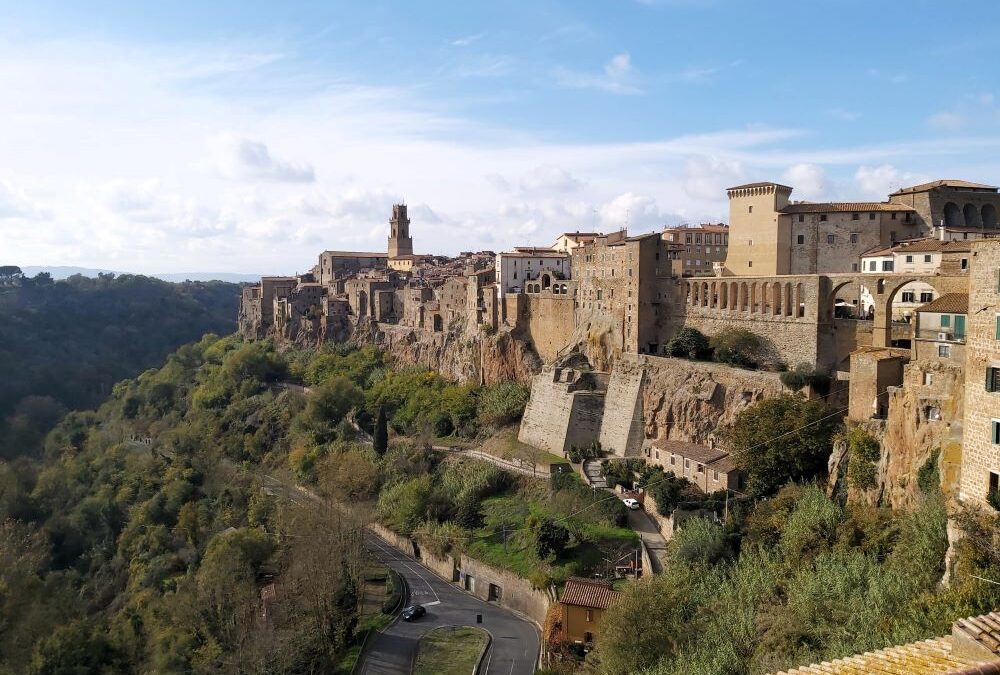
248 136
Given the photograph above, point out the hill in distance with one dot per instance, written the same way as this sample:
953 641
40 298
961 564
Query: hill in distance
59 272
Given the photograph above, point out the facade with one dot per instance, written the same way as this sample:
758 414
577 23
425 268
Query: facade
707 467
582 606
981 431
514 268
939 329
567 241
335 265
952 203
700 247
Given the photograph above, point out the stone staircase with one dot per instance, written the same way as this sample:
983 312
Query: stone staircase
595 475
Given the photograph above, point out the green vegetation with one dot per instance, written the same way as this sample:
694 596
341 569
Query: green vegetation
782 439
449 651
804 375
738 347
64 344
863 452
689 343
801 580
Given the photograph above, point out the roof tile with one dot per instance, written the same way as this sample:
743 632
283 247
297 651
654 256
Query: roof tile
589 593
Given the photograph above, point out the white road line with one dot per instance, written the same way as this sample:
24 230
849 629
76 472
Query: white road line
421 577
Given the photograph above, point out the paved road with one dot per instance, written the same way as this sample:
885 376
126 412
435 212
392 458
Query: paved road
514 650
643 525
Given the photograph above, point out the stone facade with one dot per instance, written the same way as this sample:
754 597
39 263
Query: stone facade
699 247
981 434
565 409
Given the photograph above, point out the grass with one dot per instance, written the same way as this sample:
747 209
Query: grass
506 446
449 651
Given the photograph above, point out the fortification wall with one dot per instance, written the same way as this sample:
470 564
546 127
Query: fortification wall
787 340
556 419
512 591
622 430
547 321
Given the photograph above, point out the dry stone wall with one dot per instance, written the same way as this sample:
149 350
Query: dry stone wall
622 430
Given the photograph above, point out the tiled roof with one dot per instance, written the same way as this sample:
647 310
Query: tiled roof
759 184
580 235
928 657
699 453
984 629
589 593
842 207
703 227
926 245
924 187
949 303
355 254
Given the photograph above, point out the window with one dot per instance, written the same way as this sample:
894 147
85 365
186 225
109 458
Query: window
926 296
800 239
992 378
701 468
590 616
854 237
994 482
687 238
996 432
715 476
854 267
855 216
944 351
749 242
687 463
909 258
928 379
909 296
927 258
750 210
822 217
697 238
749 263
657 454
886 265
600 294
802 218
996 333
945 319
965 263
871 216
830 238
872 266
893 216
672 460
959 326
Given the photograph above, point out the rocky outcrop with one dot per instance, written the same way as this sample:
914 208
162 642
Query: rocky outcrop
690 400
484 359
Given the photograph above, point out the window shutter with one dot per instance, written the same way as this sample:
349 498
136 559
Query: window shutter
997 335
989 379
996 432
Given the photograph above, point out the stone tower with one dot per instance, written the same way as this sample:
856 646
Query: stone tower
400 243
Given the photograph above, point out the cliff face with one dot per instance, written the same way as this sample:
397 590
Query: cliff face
485 359
689 400
924 416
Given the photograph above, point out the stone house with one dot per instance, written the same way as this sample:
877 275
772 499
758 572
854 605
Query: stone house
582 606
708 467
514 268
567 241
939 329
699 247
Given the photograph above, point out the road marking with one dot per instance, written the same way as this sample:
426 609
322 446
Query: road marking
429 604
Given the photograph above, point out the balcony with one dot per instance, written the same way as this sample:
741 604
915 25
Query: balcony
940 335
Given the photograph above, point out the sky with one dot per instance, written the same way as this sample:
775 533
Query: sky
249 136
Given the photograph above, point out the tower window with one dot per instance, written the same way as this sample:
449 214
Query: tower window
854 237
855 216
822 217
800 239
750 210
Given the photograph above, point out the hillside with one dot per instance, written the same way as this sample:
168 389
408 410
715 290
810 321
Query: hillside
64 344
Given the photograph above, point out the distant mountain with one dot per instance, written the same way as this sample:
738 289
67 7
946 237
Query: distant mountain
64 272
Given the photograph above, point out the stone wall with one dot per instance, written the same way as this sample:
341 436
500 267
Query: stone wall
557 417
546 320
622 426
514 592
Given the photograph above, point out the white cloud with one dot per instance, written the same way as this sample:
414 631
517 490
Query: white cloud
808 180
878 181
467 40
707 177
946 120
618 77
240 158
15 203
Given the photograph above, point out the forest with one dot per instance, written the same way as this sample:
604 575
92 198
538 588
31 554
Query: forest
63 344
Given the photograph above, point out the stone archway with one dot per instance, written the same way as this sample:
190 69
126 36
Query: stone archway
886 291
989 214
953 215
971 215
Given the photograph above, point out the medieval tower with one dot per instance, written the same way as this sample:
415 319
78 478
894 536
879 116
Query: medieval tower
400 243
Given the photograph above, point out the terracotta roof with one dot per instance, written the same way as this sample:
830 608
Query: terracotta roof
929 245
580 235
355 254
927 656
699 453
842 207
984 629
589 593
949 303
758 184
924 187
703 227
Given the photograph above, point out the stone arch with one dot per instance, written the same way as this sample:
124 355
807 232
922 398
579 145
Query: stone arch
971 215
989 214
800 307
742 306
546 281
438 323
765 298
776 300
882 321
787 302
952 215
693 293
830 311
704 294
562 289
753 297
714 299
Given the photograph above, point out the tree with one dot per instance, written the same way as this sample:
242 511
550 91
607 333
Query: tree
737 347
380 439
781 439
10 275
689 343
863 452
551 539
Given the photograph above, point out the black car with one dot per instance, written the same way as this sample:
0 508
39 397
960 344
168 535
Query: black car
413 613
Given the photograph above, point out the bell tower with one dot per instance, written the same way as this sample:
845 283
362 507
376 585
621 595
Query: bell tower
400 243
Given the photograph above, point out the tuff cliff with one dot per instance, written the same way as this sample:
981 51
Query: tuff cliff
482 358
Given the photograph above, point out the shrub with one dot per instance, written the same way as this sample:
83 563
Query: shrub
863 452
805 375
928 476
502 403
737 347
689 343
551 538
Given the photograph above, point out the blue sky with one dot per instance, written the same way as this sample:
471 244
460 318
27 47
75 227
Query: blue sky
248 136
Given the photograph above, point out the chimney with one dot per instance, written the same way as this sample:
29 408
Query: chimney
942 233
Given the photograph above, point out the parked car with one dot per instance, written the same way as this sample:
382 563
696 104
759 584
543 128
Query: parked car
631 503
413 612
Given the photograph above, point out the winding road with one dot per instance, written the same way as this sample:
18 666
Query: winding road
515 644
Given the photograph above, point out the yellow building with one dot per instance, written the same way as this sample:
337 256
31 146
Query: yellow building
583 604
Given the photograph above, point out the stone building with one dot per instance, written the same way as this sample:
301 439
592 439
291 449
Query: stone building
400 242
514 268
582 606
708 467
335 265
981 433
939 329
700 248
567 241
952 203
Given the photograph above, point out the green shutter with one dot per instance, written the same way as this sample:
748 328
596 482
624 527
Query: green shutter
945 320
959 326
997 335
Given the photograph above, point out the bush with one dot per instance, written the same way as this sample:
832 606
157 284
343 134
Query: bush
502 403
804 375
592 451
737 347
689 343
928 476
863 452
551 538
